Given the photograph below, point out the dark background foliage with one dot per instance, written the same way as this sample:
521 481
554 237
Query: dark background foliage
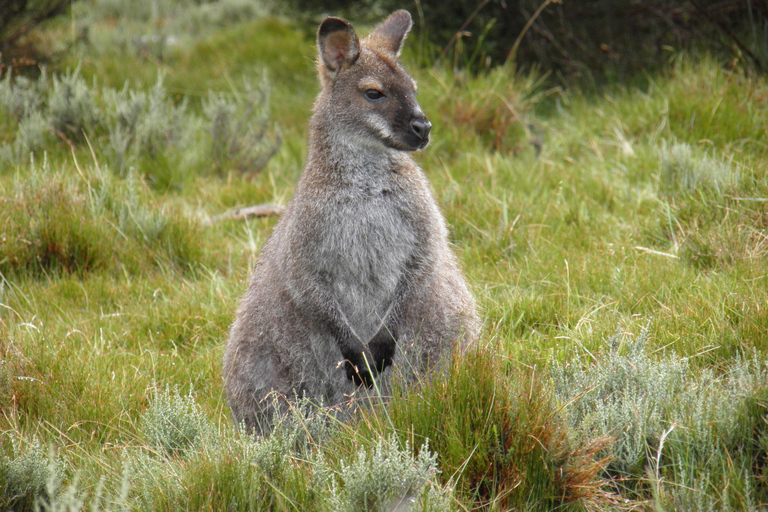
593 39
17 19
596 40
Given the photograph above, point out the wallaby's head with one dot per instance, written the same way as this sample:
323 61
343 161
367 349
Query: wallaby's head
367 96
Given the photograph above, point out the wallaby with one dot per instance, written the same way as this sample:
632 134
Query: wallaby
358 274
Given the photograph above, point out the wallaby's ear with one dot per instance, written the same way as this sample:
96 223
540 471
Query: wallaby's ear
391 33
338 44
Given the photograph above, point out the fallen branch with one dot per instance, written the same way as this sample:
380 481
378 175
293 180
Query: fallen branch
657 253
259 210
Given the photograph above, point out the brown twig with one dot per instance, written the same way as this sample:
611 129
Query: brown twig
259 210
527 26
461 30
63 137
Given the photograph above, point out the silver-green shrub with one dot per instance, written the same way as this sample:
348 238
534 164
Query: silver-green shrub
626 395
668 425
72 108
389 478
20 96
686 169
31 477
147 130
32 136
239 128
721 435
142 123
174 424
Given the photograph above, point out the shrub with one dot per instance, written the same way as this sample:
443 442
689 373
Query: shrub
720 434
150 131
30 478
235 471
33 136
174 424
71 105
239 129
682 169
683 435
144 124
20 96
286 470
626 396
389 478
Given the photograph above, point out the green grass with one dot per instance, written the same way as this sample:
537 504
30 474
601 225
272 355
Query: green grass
617 245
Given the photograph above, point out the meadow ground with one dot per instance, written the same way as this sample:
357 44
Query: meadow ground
617 244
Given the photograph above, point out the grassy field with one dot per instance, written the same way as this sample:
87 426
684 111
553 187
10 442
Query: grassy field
617 244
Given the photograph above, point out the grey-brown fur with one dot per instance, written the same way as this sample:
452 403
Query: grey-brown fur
358 273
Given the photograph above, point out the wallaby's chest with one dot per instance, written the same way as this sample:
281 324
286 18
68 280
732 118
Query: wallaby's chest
364 249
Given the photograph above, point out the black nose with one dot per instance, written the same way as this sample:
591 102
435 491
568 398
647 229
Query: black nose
421 128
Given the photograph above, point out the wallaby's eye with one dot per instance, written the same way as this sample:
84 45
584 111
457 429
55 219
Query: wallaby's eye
373 94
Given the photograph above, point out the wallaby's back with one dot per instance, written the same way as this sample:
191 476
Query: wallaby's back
358 274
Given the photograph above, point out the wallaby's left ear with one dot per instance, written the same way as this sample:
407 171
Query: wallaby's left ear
338 44
391 33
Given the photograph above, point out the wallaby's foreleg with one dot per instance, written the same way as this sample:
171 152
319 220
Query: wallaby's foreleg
357 355
382 345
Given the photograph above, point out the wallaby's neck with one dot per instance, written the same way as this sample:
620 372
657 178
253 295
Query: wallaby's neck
344 155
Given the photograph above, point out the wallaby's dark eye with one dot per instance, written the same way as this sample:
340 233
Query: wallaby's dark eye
373 94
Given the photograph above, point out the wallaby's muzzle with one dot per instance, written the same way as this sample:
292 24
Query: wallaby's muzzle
421 129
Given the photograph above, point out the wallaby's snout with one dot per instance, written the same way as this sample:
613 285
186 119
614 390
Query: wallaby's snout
421 128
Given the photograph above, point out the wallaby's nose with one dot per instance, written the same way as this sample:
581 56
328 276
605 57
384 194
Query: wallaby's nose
421 128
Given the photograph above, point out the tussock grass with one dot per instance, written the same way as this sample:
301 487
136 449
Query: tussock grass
498 435
573 215
55 223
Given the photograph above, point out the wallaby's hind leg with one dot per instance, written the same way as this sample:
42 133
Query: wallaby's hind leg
439 320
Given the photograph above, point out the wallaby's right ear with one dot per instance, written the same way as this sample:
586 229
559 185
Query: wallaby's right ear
338 44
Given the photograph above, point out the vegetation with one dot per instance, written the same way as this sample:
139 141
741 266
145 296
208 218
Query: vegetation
616 242
18 21
584 42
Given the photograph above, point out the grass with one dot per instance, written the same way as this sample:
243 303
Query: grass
616 244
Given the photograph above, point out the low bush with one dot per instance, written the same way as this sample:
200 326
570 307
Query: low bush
30 479
153 132
390 478
286 470
174 424
498 436
239 129
670 428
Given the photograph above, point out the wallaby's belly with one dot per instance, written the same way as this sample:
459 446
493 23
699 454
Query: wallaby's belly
364 253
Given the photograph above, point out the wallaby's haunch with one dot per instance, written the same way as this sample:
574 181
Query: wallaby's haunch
358 274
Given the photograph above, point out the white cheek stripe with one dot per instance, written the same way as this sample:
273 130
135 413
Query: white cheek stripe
380 125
